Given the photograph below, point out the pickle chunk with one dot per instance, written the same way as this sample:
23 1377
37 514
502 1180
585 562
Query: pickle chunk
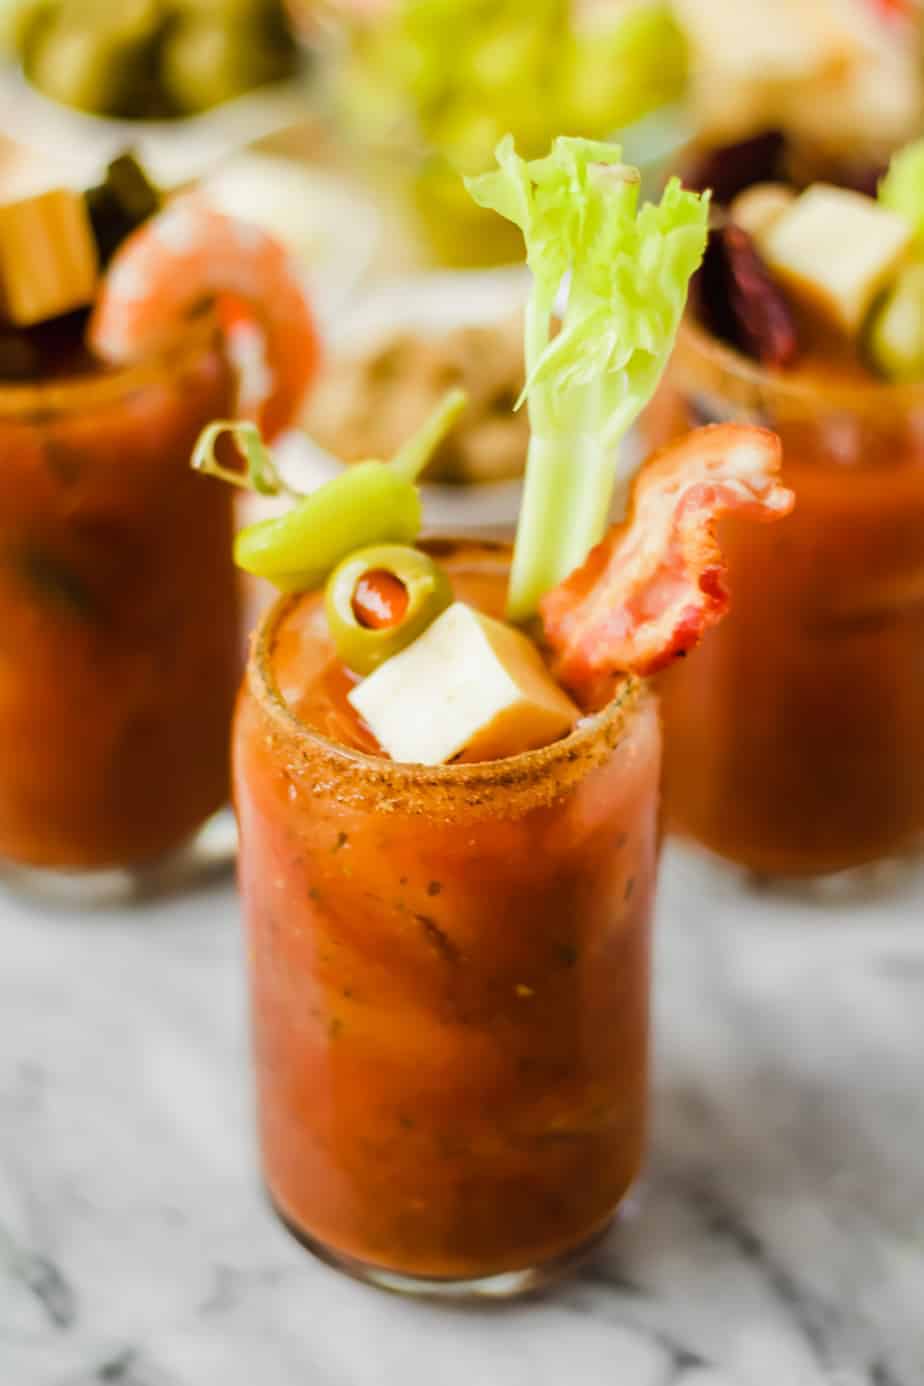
895 342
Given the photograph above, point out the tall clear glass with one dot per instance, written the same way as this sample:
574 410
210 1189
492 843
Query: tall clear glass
795 734
119 618
450 989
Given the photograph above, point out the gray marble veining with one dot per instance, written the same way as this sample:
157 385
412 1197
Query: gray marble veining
777 1240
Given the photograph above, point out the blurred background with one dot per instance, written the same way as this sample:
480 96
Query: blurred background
345 126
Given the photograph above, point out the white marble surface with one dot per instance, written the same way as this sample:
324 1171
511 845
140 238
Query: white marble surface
778 1241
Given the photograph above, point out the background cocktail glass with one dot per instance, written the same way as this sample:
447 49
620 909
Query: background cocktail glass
794 735
120 647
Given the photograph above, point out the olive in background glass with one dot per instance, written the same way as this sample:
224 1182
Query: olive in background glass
152 58
21 25
231 11
96 56
207 61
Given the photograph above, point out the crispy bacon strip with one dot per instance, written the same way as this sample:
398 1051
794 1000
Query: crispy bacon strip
656 583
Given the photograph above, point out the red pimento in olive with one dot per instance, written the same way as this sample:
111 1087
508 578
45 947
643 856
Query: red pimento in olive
380 600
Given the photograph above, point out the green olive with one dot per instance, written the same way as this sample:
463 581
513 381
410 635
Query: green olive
21 24
208 61
78 67
361 646
230 11
92 55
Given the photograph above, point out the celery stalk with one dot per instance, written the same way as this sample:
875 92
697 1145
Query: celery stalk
629 269
546 549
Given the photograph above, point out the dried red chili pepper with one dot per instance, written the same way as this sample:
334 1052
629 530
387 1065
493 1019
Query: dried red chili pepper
741 303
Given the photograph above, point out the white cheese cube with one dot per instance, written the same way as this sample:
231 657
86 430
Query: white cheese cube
834 250
469 688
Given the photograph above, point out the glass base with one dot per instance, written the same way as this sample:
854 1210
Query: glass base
504 1286
854 885
872 881
208 854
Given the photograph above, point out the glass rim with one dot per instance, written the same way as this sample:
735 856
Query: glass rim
733 365
594 737
24 399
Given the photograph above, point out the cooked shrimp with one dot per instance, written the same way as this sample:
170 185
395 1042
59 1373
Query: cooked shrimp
183 257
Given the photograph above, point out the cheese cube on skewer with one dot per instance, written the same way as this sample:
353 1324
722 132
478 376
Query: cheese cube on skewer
469 688
48 258
834 250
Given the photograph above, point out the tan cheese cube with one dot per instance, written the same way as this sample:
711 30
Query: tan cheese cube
470 688
759 206
834 250
48 258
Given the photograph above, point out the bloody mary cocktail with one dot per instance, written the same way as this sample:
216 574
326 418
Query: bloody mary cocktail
125 328
793 736
449 967
119 650
446 775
